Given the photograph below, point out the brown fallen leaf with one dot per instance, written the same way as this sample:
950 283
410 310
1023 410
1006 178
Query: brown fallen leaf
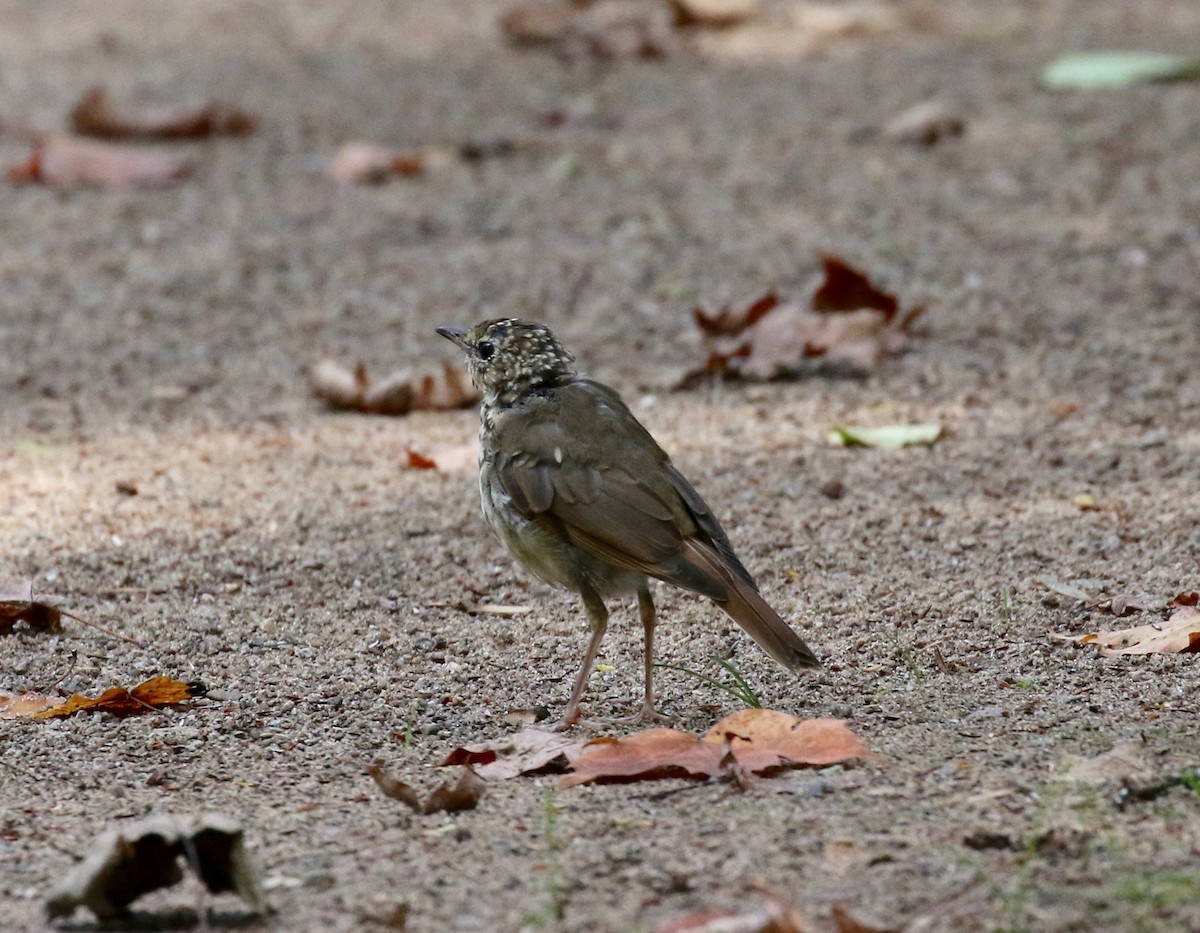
442 386
713 14
849 321
418 461
24 705
760 742
595 30
362 163
60 159
1186 599
1179 634
95 115
526 752
451 796
925 124
455 796
395 788
1124 604
18 609
144 856
765 739
774 916
155 693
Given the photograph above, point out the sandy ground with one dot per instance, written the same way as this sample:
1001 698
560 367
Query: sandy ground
289 559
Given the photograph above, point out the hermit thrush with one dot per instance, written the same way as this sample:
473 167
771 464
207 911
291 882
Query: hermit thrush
581 495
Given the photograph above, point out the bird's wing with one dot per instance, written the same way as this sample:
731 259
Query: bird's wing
581 465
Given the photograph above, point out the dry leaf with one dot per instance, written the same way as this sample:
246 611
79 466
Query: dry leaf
371 164
598 30
759 741
24 705
525 752
463 793
925 124
844 922
418 461
395 788
1179 634
443 386
455 796
63 160
144 856
713 14
809 29
1186 599
849 322
844 288
774 916
1124 604
765 739
95 115
152 694
19 610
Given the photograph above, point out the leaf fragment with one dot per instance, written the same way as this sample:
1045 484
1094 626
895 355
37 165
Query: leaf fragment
1115 69
155 693
96 115
759 741
451 796
362 163
890 437
63 160
848 322
1179 634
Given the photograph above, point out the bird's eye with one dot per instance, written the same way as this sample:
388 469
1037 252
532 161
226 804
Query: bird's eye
485 349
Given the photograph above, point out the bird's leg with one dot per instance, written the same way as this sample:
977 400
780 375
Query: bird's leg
598 621
649 617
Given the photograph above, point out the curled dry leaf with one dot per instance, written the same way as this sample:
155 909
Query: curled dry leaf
140 857
526 752
60 159
849 321
362 163
95 115
452 796
155 693
760 741
455 796
395 788
444 386
1180 634
19 610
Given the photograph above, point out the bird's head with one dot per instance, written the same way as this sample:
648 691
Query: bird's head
509 357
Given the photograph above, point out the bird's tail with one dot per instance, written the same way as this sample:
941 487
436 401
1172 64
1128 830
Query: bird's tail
743 603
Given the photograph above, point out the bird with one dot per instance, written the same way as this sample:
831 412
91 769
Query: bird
586 500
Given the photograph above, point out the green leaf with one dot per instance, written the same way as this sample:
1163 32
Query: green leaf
1092 70
893 436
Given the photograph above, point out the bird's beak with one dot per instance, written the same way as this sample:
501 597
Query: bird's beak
455 336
